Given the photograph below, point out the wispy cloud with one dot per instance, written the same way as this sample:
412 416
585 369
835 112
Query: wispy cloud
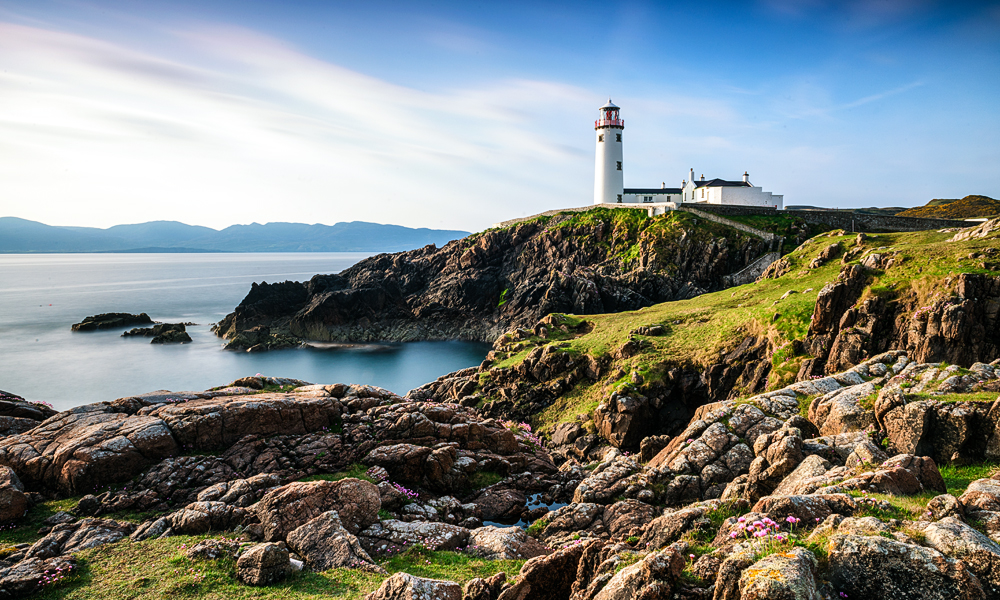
256 119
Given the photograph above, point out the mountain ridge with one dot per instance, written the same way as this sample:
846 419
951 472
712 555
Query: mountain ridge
24 236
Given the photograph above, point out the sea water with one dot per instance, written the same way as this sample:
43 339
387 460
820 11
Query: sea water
42 295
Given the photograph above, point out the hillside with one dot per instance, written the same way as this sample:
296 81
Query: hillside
868 470
23 236
970 207
598 261
835 301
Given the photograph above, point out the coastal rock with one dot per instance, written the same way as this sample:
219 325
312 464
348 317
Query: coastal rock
505 543
162 333
783 576
263 564
484 589
286 508
80 450
392 536
403 586
31 574
954 538
13 501
877 567
324 544
69 538
548 577
652 577
111 321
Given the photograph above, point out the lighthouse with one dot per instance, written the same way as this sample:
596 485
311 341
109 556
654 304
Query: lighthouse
609 183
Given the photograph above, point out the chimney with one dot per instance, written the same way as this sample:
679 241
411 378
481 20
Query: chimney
746 177
692 175
663 185
703 177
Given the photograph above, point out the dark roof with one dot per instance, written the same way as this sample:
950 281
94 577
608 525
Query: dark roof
721 183
652 190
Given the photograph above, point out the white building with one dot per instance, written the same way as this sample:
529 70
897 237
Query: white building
720 191
609 181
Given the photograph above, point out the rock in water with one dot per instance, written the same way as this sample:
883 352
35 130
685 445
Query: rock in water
162 333
111 321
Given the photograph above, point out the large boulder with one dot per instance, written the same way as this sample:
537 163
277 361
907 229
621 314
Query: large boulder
782 576
625 420
505 543
263 564
80 450
13 502
286 508
403 586
878 567
392 536
954 538
806 508
652 577
548 577
323 544
607 482
220 422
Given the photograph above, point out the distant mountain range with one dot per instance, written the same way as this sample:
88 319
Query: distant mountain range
23 236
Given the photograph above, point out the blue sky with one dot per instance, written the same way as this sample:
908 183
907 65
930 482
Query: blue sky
459 115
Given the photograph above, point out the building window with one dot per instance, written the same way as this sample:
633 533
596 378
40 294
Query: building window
619 165
647 198
600 137
619 195
618 137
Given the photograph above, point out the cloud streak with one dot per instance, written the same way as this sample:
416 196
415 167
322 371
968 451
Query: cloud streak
256 121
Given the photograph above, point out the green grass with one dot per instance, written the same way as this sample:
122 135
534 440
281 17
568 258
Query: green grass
952 398
481 479
357 471
903 507
25 529
157 569
958 478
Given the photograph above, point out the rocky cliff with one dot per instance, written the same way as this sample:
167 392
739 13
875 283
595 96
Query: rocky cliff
836 301
476 288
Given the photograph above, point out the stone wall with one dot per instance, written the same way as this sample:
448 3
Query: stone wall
752 271
766 235
840 219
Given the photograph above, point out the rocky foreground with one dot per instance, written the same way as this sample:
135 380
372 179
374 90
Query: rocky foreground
828 488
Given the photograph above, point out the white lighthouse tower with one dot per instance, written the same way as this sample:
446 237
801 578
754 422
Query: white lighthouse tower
609 182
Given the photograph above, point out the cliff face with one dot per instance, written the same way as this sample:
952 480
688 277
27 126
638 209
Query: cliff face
600 261
835 302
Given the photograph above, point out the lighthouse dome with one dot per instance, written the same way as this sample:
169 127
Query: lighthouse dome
609 104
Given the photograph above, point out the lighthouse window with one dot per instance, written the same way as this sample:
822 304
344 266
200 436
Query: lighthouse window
600 137
619 165
618 137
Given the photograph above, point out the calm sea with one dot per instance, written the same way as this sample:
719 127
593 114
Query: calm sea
41 296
